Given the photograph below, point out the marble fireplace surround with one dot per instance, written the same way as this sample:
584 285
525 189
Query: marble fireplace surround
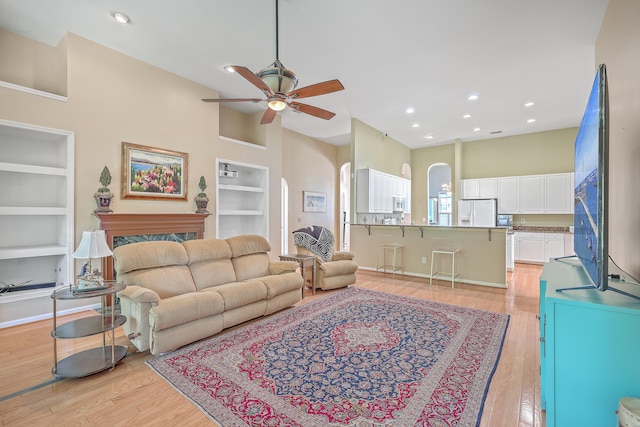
128 228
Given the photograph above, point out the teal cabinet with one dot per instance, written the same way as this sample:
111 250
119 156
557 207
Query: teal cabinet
589 347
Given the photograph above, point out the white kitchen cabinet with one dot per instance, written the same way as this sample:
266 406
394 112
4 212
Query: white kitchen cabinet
369 185
480 188
510 251
242 199
488 188
554 246
375 191
568 244
36 213
558 191
508 194
532 247
535 194
532 194
538 247
470 188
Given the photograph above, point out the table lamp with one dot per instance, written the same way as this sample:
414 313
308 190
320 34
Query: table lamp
93 245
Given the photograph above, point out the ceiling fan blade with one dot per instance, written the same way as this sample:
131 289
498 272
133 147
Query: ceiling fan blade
233 100
310 109
255 80
317 89
268 116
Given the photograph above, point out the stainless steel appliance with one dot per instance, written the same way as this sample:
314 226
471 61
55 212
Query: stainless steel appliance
506 221
399 204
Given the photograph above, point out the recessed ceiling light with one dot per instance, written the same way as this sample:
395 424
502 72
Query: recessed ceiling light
529 104
410 110
531 120
476 129
415 125
229 69
429 136
121 17
473 97
466 116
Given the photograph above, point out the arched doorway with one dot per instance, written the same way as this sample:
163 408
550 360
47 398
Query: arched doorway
284 217
439 197
345 206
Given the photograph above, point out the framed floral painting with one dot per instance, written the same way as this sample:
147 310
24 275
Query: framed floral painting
153 173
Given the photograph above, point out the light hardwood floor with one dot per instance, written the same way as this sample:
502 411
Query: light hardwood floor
132 395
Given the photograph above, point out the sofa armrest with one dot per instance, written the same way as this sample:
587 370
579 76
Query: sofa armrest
281 267
139 294
337 256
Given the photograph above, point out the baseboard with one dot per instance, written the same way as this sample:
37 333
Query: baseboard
48 316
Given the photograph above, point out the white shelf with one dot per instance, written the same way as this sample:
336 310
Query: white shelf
36 216
242 201
22 211
230 187
32 251
240 212
42 170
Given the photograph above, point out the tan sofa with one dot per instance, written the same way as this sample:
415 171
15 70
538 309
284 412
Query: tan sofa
178 293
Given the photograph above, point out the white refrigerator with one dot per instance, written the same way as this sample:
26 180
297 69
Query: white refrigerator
477 213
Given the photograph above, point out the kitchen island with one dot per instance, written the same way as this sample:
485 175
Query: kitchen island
482 250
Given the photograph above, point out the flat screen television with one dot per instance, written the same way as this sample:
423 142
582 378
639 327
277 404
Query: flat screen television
591 180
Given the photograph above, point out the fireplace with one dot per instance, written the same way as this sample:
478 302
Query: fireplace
122 229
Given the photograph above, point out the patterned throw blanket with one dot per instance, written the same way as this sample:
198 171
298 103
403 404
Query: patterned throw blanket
316 239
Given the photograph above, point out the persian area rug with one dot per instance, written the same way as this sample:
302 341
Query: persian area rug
354 358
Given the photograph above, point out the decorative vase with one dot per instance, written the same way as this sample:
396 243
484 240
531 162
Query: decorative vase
103 200
201 203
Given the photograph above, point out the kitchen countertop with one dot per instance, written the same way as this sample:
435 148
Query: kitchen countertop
541 229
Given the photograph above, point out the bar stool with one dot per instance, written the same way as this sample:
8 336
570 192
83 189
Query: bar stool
436 256
382 254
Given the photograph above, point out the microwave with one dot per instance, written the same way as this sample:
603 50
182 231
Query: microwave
399 204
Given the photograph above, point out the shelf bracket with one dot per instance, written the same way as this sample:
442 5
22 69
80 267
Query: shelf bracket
402 228
368 227
421 232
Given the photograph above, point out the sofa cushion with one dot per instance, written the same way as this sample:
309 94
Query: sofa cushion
210 262
281 284
248 244
237 294
184 309
165 281
136 256
249 256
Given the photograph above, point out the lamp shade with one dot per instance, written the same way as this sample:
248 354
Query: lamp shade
93 245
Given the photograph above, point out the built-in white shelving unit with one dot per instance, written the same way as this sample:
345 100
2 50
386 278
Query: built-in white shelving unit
36 215
242 202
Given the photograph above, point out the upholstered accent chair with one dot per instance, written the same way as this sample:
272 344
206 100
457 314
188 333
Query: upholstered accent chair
333 269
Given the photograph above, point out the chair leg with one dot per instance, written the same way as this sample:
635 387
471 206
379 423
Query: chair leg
431 274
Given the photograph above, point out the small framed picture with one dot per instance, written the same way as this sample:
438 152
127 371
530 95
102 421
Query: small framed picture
153 173
314 202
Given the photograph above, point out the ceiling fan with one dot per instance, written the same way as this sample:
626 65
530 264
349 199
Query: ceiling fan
278 84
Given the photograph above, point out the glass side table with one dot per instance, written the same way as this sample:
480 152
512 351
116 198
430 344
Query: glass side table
307 269
97 359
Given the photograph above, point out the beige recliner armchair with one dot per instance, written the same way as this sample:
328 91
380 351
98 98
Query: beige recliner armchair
333 269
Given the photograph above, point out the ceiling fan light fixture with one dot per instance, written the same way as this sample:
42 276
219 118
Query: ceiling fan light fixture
278 78
277 104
